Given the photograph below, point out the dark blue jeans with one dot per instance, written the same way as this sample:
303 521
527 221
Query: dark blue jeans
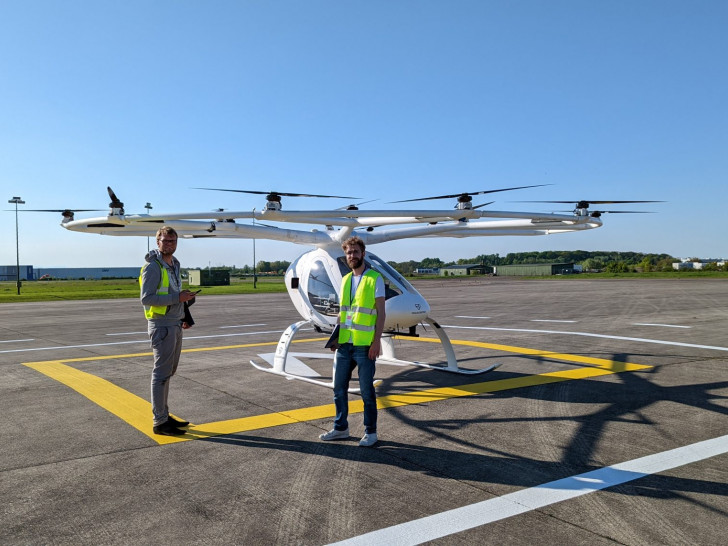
347 358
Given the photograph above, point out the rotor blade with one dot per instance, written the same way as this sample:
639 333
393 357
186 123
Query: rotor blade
61 210
588 202
626 211
467 193
484 204
283 194
616 211
355 206
114 200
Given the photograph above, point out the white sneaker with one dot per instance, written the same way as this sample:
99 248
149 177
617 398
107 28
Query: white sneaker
368 440
334 434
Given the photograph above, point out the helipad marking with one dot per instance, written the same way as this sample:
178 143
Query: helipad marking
137 413
588 334
482 513
661 325
58 347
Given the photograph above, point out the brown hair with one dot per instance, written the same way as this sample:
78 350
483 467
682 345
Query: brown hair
166 230
353 241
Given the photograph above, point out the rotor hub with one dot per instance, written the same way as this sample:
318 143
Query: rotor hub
465 202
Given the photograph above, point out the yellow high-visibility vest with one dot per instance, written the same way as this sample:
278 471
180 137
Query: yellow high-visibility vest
361 312
162 290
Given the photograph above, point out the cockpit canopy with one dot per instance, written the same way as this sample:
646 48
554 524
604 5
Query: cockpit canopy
323 294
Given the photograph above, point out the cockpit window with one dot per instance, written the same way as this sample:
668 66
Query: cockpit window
343 267
321 291
388 271
383 268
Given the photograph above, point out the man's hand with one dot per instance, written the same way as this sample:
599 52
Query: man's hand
186 295
375 349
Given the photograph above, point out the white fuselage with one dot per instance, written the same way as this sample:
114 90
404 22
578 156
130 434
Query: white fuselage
314 279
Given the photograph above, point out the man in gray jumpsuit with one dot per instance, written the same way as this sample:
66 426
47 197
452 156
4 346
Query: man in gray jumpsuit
164 306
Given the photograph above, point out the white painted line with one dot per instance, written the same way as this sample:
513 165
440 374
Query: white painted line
296 366
243 334
551 320
138 341
467 316
15 340
142 333
663 325
482 513
71 346
623 338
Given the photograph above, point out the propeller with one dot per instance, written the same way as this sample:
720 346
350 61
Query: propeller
276 195
355 206
66 213
483 204
585 204
115 202
581 208
598 213
466 197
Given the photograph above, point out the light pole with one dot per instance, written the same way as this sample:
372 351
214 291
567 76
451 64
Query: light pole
255 267
148 206
17 201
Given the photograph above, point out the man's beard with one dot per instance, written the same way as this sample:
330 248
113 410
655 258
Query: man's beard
355 263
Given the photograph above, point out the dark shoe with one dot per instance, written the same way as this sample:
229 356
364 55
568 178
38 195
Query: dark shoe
167 429
176 422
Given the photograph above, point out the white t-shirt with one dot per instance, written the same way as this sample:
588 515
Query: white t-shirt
378 290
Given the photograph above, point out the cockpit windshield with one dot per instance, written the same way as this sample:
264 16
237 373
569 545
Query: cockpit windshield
321 291
391 278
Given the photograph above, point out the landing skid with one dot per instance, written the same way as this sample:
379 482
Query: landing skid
281 358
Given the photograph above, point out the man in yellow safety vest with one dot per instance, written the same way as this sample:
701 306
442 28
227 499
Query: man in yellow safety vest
361 322
164 307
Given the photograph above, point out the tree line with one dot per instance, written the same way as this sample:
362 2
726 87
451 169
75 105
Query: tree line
609 261
277 267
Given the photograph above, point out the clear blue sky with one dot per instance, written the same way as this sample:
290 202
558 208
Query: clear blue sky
385 100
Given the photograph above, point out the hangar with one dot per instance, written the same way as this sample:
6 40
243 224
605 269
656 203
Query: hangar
533 270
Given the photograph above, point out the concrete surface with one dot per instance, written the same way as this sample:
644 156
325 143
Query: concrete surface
594 373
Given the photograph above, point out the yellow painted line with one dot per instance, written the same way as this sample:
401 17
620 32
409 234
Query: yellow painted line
616 367
197 350
136 411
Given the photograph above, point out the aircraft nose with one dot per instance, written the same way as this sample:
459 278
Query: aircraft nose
405 310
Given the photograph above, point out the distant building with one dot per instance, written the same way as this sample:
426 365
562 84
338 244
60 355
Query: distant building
10 273
87 272
534 270
462 270
693 264
209 277
427 271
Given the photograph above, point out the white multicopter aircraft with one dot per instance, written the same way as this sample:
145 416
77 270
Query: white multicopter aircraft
313 280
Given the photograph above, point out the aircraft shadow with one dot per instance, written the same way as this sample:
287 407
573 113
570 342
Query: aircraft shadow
452 464
624 398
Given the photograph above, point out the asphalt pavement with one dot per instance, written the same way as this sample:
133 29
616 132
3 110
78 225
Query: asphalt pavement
606 422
